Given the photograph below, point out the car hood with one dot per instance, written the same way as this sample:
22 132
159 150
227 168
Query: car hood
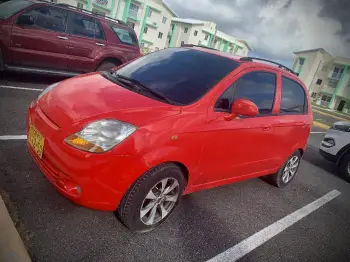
91 97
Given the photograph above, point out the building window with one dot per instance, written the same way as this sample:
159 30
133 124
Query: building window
98 12
164 20
149 13
182 43
145 29
326 98
80 6
186 29
133 11
301 60
332 83
130 24
215 41
319 82
206 37
313 95
195 33
142 44
160 35
325 68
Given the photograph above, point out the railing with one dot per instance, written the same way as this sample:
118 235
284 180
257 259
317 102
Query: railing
133 13
334 75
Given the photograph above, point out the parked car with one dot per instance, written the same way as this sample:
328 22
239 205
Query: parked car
335 147
169 123
60 39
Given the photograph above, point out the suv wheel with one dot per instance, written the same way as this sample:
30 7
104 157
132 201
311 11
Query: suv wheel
106 66
152 198
287 172
345 167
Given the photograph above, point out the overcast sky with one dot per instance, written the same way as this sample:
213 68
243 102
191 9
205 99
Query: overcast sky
276 28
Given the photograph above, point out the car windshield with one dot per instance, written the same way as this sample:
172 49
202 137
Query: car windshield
181 75
10 8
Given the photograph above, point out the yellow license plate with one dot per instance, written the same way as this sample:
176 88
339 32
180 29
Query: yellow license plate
36 140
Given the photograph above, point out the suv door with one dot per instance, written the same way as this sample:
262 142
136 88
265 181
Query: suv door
243 146
294 123
87 40
44 44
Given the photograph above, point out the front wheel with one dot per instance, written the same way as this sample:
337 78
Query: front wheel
152 198
345 167
287 172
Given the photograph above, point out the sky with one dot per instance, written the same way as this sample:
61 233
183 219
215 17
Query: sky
277 28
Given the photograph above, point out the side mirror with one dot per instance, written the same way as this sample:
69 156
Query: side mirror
25 20
242 107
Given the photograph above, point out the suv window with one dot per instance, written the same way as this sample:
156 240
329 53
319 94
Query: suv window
124 35
180 74
258 87
84 26
10 8
293 97
49 18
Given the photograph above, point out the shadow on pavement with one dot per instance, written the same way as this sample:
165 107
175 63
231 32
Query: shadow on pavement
9 77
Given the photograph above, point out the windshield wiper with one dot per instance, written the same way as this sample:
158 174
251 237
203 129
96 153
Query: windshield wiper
142 87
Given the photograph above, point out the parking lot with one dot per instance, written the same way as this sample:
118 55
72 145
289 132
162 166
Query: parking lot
205 224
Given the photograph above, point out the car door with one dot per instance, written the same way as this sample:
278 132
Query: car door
294 123
86 41
44 43
243 146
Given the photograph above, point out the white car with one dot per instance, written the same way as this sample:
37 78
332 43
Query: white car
335 147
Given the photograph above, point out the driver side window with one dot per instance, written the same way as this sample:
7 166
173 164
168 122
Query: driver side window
258 87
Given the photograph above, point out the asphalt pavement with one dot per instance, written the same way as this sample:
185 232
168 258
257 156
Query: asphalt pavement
204 225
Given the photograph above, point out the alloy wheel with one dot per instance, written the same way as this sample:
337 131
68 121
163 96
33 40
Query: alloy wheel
290 169
159 201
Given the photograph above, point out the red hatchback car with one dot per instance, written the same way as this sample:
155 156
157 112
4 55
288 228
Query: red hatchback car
42 37
173 122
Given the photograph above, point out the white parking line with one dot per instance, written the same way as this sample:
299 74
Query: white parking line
22 88
259 238
20 137
318 132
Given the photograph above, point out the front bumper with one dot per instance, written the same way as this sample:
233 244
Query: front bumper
97 181
328 156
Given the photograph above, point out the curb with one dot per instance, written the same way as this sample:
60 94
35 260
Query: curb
320 125
12 248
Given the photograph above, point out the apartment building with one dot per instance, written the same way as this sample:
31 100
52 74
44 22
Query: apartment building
204 33
150 19
327 77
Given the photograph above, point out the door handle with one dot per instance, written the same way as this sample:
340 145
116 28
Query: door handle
99 44
62 37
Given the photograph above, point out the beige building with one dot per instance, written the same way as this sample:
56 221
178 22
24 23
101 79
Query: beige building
204 33
326 77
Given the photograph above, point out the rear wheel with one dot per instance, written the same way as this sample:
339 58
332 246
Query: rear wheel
345 167
106 66
287 172
152 198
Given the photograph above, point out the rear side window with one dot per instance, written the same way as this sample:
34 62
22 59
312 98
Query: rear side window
49 18
258 87
124 35
293 97
10 8
84 26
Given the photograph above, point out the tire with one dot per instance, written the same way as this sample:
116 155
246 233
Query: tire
146 194
345 167
282 179
106 66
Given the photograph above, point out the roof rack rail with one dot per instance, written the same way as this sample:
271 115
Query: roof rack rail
191 45
250 59
91 13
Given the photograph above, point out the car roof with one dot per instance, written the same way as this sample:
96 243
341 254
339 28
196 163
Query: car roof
248 60
81 11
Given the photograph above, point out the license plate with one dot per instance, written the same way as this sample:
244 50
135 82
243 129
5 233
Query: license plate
36 140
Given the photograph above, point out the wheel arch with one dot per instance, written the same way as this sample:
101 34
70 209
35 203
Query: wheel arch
115 60
341 153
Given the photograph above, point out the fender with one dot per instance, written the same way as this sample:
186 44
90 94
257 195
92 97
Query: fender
341 153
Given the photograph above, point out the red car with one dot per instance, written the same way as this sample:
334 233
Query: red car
59 39
173 122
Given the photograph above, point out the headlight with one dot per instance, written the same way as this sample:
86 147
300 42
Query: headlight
101 136
47 89
328 142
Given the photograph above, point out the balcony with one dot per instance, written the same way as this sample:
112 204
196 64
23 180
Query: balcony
334 75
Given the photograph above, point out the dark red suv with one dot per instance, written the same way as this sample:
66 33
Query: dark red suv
60 39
